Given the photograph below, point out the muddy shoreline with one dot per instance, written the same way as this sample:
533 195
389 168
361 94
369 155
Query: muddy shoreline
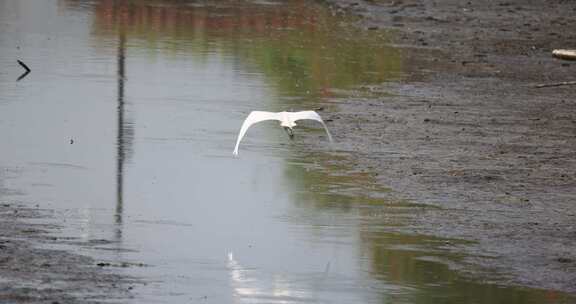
468 133
34 273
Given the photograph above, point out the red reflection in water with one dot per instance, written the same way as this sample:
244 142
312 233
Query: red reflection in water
170 16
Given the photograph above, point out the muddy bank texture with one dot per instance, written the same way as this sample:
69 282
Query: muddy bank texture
31 273
467 132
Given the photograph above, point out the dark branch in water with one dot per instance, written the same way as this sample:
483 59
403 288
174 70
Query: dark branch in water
22 64
23 75
557 84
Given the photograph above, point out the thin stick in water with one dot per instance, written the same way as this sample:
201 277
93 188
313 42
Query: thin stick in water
22 64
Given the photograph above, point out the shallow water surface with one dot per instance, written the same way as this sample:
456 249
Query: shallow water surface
126 126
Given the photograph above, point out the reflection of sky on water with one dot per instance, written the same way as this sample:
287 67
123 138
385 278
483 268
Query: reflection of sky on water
152 94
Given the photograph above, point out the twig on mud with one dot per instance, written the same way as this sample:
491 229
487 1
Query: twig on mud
556 84
564 54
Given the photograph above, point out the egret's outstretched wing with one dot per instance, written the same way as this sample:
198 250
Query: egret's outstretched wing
254 117
310 115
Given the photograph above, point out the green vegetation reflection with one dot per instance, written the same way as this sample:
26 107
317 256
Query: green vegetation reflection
304 49
430 268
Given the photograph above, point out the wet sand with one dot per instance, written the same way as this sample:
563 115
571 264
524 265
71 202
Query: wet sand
468 134
34 272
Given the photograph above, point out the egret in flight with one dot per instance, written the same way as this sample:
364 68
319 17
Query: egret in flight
287 121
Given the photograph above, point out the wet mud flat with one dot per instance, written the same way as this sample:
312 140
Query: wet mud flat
31 272
469 134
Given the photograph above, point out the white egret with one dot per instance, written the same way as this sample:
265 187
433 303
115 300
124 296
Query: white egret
287 121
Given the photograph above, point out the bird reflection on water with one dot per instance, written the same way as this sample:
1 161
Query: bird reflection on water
248 288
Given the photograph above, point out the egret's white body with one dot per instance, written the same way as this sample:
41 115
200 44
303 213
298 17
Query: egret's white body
287 120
